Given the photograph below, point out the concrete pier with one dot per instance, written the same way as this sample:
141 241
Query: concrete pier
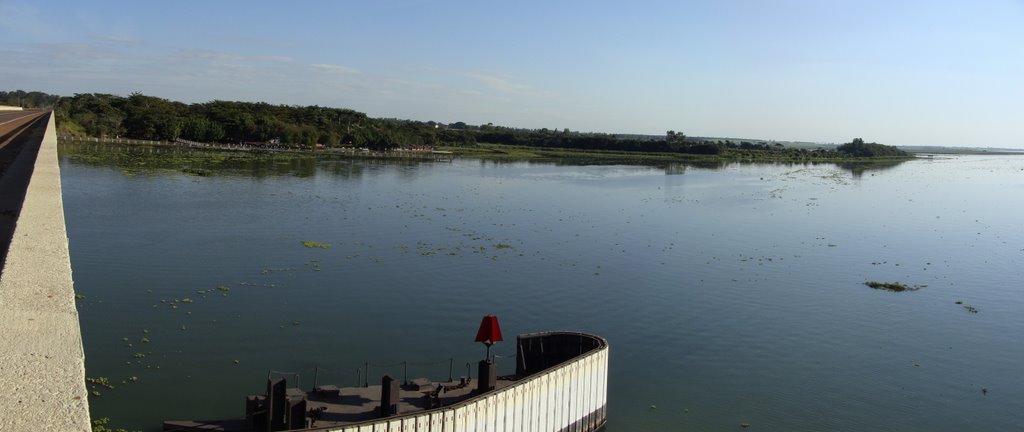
42 363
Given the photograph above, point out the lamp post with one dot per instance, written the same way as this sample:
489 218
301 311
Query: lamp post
488 334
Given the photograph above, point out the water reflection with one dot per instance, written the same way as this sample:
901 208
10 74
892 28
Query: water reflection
857 169
750 275
140 159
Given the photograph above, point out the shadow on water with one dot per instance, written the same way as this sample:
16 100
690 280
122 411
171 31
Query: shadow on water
857 169
140 159
133 159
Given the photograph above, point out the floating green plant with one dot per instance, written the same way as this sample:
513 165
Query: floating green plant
100 425
99 381
196 172
504 246
313 244
139 355
223 288
892 286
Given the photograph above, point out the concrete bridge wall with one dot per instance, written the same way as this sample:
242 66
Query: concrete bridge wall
42 364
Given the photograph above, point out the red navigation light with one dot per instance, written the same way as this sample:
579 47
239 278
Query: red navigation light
489 332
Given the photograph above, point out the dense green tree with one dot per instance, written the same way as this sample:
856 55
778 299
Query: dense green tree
858 148
31 99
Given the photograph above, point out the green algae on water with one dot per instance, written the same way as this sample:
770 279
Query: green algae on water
892 286
313 244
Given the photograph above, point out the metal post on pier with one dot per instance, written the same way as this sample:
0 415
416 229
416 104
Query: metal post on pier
451 367
316 375
366 374
405 373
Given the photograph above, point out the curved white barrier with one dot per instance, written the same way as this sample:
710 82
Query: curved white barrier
570 396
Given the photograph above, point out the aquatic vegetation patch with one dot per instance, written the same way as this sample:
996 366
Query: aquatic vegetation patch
893 286
196 172
313 244
101 424
99 381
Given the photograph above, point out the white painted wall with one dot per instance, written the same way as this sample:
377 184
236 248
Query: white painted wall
546 402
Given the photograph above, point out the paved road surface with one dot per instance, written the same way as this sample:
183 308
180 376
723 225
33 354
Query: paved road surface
9 120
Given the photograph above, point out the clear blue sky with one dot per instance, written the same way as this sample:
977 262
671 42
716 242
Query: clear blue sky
897 72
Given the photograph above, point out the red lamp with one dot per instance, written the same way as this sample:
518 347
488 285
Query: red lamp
489 333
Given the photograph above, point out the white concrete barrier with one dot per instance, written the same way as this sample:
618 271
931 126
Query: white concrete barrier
10 108
42 364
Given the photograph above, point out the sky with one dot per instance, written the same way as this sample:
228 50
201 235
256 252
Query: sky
915 73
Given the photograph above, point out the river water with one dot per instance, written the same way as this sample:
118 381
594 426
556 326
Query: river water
729 294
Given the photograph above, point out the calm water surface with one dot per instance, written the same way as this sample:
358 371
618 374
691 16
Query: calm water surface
729 295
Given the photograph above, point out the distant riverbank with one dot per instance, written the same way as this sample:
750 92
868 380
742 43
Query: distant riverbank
526 153
787 155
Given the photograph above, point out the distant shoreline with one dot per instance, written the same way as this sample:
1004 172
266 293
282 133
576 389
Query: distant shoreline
504 152
513 152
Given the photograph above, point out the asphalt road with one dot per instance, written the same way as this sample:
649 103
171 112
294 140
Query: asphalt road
10 123
9 120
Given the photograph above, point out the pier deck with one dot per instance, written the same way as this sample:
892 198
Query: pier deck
353 404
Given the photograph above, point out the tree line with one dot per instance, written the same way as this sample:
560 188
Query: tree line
31 100
147 117
152 118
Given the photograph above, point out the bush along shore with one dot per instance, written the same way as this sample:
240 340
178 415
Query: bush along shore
252 125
